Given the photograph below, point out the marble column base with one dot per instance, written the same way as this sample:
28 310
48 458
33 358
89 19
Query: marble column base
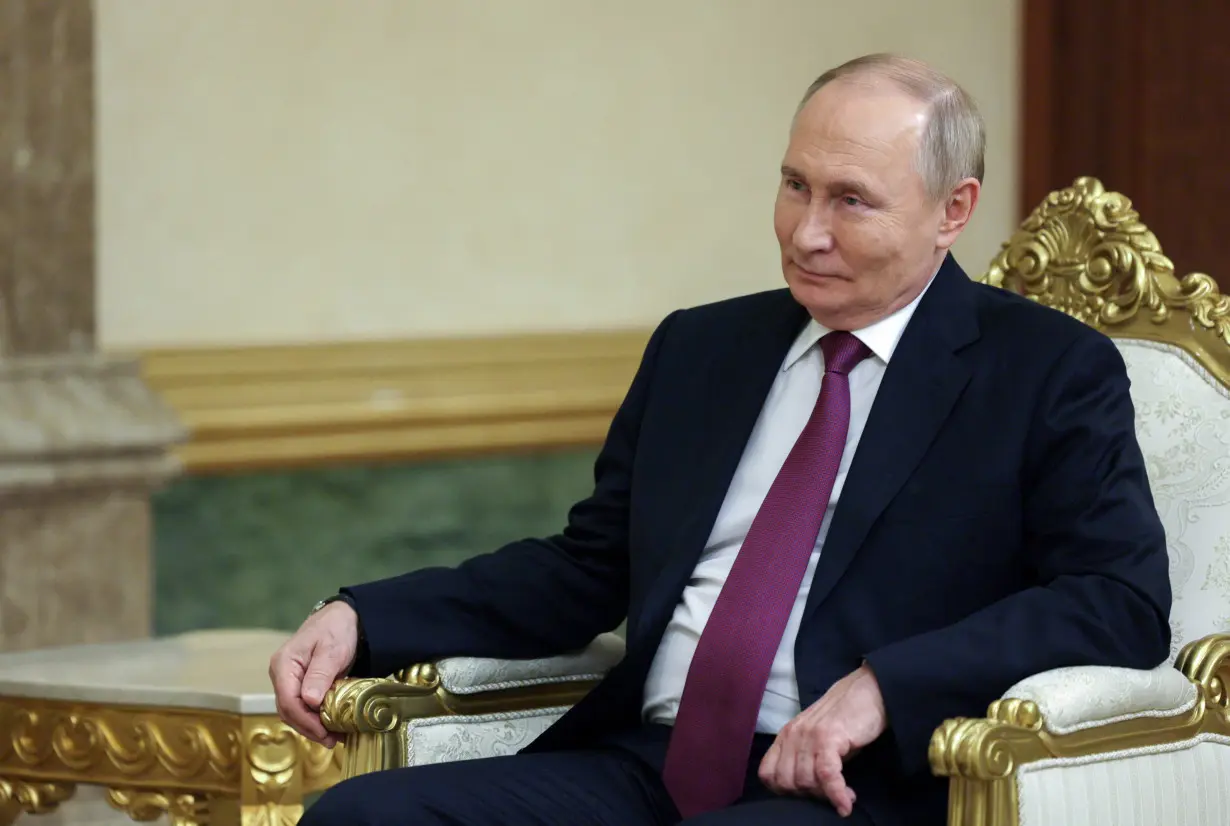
83 442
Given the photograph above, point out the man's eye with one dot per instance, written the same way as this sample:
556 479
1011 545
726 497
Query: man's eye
851 200
796 185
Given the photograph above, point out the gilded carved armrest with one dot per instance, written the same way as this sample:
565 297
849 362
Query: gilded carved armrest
987 758
377 716
368 713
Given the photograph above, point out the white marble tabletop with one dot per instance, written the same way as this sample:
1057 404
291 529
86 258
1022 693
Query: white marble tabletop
225 670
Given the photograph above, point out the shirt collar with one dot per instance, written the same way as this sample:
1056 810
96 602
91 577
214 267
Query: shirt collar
881 337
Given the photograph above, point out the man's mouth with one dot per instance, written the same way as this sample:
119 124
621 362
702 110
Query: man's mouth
817 276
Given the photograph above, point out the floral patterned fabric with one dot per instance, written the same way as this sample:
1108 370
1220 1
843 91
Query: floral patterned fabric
1183 423
472 675
447 739
1071 699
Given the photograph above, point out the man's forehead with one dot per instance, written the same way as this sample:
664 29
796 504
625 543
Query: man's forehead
857 119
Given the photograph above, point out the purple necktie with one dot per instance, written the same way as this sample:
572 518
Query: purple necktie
706 761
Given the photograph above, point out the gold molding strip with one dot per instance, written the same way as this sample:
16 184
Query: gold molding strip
315 404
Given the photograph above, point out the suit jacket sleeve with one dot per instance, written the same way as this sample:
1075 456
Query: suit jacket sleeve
1100 590
532 598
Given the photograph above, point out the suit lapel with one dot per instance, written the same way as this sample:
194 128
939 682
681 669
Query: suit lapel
920 386
729 397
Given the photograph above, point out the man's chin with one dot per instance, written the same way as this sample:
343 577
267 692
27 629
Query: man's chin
823 299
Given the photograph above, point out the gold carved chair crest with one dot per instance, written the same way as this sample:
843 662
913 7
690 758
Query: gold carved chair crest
1086 252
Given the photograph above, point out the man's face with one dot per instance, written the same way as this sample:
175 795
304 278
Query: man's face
859 236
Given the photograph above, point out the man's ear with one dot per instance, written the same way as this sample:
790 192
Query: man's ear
958 209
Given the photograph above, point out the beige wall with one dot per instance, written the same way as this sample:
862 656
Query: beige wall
307 170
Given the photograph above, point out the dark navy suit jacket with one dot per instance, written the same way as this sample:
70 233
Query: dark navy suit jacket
996 522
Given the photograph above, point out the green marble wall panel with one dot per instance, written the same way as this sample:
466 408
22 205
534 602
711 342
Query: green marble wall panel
259 549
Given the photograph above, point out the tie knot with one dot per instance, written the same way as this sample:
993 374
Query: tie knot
842 352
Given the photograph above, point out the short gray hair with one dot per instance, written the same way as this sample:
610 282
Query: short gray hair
953 144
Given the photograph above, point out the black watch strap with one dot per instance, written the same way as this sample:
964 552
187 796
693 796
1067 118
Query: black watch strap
346 598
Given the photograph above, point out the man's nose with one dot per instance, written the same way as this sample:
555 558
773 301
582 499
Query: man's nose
814 232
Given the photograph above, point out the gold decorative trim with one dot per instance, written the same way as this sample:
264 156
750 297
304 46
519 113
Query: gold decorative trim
272 789
322 766
1086 252
1206 663
182 809
37 798
264 407
373 712
195 766
51 740
981 756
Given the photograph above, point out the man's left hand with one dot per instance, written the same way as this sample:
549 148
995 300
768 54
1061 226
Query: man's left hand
806 757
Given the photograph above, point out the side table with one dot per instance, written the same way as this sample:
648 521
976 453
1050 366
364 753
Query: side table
184 726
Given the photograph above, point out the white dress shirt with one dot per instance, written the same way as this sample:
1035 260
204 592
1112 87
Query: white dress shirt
785 412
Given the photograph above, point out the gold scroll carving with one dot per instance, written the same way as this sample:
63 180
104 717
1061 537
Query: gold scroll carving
182 808
1085 251
111 746
18 796
195 767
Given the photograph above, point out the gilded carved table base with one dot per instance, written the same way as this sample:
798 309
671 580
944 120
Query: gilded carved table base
18 796
195 767
182 808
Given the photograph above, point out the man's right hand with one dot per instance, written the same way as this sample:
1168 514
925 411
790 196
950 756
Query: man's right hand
304 668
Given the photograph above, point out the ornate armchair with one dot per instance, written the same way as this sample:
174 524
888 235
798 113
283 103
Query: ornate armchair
1099 745
1072 746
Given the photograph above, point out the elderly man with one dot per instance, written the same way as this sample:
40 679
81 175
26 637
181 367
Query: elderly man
833 516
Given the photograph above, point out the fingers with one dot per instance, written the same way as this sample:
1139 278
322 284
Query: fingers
782 770
326 665
286 673
804 771
768 765
803 761
334 636
303 670
831 782
306 721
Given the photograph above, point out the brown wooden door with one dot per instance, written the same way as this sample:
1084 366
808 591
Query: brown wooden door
1136 93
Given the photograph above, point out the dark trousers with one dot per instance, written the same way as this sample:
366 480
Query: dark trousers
618 784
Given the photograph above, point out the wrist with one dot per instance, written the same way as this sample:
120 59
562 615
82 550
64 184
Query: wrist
349 602
868 677
346 598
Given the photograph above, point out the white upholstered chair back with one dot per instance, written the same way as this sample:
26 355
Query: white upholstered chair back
1085 251
1183 423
